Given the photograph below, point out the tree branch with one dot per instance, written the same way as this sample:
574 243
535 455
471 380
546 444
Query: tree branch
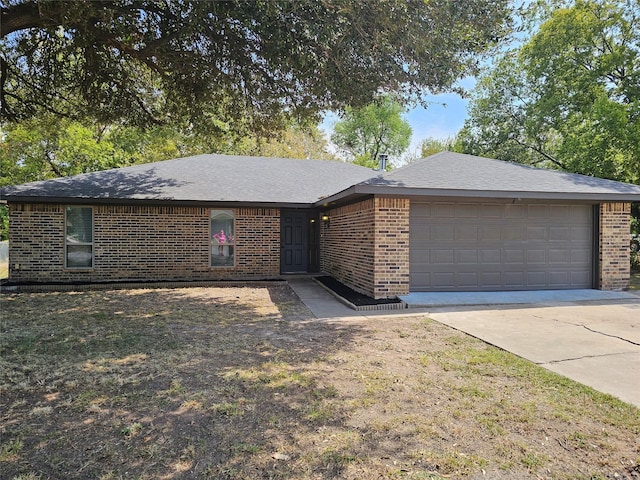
51 163
21 17
539 151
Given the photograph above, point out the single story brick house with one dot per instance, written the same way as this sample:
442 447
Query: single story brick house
450 222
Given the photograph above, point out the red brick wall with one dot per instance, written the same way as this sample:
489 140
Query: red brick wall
391 269
347 245
614 246
366 246
141 243
36 236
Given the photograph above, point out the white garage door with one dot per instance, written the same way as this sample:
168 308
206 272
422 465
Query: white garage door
500 245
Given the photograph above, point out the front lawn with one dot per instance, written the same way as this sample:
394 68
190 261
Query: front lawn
242 383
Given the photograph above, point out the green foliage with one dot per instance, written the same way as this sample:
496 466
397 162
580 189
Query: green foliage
431 146
46 147
4 222
240 66
568 98
302 142
378 128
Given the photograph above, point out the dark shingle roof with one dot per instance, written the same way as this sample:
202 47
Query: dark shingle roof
204 178
456 174
279 181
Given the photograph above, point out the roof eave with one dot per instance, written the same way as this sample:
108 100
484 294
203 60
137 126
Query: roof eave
151 202
362 190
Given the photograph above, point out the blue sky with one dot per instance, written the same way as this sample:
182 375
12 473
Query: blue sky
443 117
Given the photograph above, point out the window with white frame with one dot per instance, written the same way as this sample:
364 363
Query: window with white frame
79 237
222 238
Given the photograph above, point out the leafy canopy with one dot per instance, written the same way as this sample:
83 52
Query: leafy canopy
569 97
45 147
378 128
232 66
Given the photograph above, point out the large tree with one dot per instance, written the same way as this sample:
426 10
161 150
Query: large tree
232 65
569 97
378 128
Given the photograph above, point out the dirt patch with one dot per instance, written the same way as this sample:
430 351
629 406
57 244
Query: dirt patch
244 383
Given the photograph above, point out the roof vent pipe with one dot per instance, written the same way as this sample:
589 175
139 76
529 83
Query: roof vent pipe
382 162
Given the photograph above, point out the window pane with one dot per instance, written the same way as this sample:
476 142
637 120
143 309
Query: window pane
79 255
222 238
79 225
79 237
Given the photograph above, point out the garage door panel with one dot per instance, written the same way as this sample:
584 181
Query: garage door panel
468 279
489 233
500 246
491 210
421 210
490 256
559 256
444 280
537 211
422 228
442 256
581 213
442 233
559 278
445 210
580 256
466 233
536 279
536 257
579 234
514 280
419 256
515 211
580 278
512 233
513 256
537 233
559 234
559 212
466 210
490 280
467 256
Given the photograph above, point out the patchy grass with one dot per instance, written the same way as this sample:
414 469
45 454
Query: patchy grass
243 383
635 281
4 269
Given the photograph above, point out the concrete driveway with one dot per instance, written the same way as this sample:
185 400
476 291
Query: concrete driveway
595 344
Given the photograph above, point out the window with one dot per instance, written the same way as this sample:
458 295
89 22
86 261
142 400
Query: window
79 237
222 238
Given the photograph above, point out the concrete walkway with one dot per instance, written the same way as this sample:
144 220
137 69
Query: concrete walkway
595 344
440 299
591 338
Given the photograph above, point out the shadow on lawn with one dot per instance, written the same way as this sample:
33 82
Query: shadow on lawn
220 383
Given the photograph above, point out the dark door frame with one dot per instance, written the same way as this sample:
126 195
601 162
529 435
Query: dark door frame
595 255
311 240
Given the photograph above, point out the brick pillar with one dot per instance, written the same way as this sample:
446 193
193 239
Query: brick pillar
365 245
391 236
614 246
